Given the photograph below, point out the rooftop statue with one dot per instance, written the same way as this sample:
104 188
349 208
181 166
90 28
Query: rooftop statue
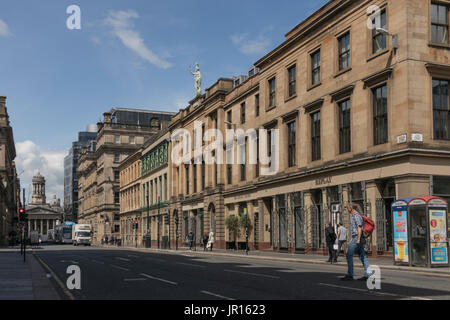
197 80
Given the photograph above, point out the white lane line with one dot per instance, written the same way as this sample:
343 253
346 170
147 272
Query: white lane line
117 267
374 292
216 295
123 259
253 274
191 265
159 279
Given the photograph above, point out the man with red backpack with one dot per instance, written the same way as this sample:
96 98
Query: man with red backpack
357 244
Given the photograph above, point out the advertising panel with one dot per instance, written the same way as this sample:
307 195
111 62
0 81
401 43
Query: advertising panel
401 236
438 236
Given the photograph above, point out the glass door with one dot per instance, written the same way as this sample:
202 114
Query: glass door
418 236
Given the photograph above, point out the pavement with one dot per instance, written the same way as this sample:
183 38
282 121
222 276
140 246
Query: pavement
385 263
21 280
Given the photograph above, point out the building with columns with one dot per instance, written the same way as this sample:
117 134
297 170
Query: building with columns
42 216
361 116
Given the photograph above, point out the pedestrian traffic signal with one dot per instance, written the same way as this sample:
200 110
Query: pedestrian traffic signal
135 225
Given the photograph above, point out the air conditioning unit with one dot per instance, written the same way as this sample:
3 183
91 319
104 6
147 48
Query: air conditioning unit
336 208
253 71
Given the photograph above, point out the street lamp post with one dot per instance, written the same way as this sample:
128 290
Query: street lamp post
246 231
135 232
149 238
176 231
159 218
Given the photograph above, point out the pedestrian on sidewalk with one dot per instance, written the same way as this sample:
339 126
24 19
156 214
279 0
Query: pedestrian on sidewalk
330 237
342 238
358 243
205 241
190 239
211 240
106 240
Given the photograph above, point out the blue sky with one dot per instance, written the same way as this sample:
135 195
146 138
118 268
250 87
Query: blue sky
133 53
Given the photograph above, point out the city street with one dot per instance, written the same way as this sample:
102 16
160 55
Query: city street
111 273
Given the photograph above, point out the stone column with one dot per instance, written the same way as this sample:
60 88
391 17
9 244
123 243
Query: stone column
412 186
308 219
42 226
373 194
35 224
48 223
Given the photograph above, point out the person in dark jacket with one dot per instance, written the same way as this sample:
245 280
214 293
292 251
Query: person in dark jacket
330 237
205 241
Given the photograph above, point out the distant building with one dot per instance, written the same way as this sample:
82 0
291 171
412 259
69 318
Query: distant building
42 216
9 183
122 133
70 173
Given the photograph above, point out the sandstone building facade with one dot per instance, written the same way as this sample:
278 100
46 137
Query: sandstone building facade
362 115
122 132
9 182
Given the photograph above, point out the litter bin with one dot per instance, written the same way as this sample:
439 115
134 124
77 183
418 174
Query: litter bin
165 242
147 241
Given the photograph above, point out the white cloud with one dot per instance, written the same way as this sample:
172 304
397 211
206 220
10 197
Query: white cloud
251 46
50 163
4 29
122 27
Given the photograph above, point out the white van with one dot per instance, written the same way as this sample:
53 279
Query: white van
82 234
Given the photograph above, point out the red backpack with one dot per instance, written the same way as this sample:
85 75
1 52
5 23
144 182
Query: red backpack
368 227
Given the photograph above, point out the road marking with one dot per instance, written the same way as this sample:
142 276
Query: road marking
253 274
123 259
159 279
216 295
191 265
58 281
374 292
117 267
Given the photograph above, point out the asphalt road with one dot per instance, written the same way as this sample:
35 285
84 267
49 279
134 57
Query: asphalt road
126 274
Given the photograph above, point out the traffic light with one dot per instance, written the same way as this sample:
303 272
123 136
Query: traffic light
22 214
136 225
